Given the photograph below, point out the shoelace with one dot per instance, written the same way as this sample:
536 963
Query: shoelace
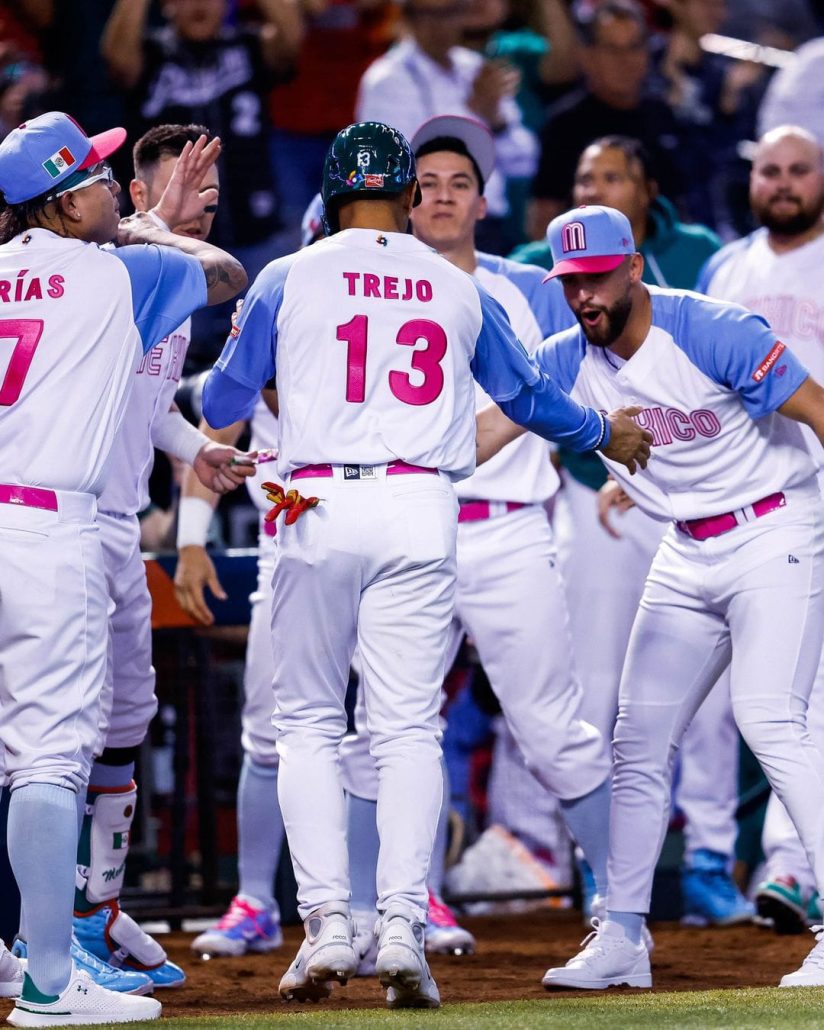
291 501
91 959
440 913
238 911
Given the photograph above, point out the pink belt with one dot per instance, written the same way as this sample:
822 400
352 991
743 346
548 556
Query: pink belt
28 496
394 468
475 511
716 525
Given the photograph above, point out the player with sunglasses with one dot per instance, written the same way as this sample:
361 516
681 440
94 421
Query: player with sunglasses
150 420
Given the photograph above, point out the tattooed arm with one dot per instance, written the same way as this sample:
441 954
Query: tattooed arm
182 201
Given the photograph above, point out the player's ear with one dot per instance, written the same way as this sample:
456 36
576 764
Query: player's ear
483 207
636 268
139 192
67 207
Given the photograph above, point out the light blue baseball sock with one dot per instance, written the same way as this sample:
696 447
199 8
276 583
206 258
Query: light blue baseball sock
260 831
42 842
436 866
631 922
587 819
364 844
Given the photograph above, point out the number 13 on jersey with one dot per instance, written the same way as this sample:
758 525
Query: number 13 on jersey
426 360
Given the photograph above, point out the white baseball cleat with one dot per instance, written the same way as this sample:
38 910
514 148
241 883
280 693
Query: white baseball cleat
608 959
82 1003
811 971
11 974
325 955
401 963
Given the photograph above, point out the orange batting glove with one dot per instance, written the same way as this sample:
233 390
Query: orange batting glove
291 502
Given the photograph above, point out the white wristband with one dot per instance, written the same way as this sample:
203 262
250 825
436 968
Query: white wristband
158 221
172 433
193 520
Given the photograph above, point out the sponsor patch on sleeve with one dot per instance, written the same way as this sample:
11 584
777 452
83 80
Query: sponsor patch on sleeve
768 362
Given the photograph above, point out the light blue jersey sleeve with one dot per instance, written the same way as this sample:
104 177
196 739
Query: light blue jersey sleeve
249 355
524 393
734 347
167 286
546 300
561 355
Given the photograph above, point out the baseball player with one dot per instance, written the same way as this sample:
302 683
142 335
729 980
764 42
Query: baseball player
374 339
509 591
739 575
76 321
604 577
150 420
252 921
775 271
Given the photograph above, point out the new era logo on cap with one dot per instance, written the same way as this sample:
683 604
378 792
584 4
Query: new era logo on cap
590 239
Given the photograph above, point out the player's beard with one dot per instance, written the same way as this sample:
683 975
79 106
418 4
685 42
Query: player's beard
614 322
803 219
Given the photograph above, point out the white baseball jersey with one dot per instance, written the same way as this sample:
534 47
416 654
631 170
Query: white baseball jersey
709 377
73 322
375 338
153 390
522 471
783 288
264 437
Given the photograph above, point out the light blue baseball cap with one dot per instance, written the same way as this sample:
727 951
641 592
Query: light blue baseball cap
590 239
44 152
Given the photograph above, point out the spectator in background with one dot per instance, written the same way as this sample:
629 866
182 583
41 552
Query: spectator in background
342 38
196 69
429 73
712 99
544 49
615 62
618 171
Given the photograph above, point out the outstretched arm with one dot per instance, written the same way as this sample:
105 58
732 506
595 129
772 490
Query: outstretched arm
182 200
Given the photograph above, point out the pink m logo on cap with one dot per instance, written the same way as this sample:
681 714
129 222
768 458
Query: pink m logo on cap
573 237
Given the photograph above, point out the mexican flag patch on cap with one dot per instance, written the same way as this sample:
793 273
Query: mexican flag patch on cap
59 162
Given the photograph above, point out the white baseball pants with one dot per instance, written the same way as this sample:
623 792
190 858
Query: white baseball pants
754 596
258 734
53 613
373 565
129 702
604 580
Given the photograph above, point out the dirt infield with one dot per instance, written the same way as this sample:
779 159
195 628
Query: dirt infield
513 953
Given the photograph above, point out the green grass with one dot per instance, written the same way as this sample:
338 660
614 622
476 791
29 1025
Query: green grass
751 1009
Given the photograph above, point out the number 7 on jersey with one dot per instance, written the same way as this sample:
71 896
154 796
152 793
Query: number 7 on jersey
26 333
